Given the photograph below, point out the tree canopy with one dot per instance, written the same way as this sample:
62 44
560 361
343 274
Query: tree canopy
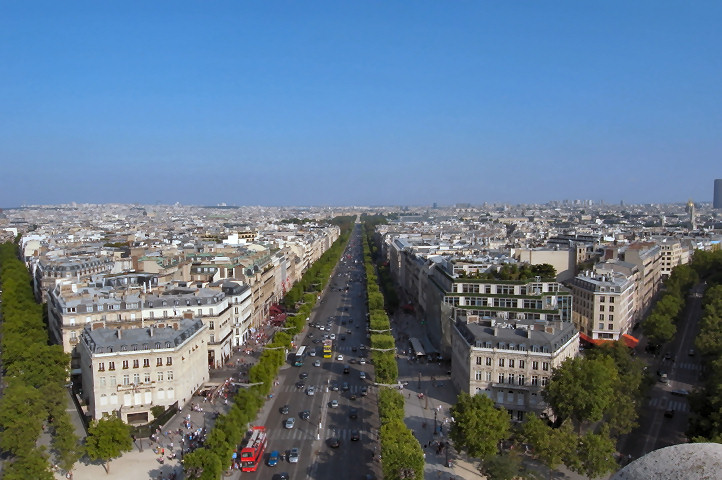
107 439
478 425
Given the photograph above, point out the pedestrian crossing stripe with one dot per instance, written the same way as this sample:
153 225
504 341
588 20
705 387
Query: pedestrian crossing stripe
308 434
678 405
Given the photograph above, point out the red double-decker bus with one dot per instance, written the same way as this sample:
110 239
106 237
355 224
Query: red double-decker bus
252 451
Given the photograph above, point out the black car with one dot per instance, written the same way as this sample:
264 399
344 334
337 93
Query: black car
355 435
364 390
300 384
303 375
281 476
334 442
345 386
305 415
353 413
334 387
284 410
669 413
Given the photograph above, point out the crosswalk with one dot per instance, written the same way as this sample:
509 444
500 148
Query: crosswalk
689 366
669 404
309 432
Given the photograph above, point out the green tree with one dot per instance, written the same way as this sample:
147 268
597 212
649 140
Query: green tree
400 451
582 389
595 452
21 417
202 464
33 465
505 466
107 439
550 445
659 328
478 425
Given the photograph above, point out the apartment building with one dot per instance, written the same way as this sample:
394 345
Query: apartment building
673 254
648 257
48 271
126 371
136 301
604 306
510 361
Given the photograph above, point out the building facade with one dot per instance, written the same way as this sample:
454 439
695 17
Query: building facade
510 361
604 305
127 371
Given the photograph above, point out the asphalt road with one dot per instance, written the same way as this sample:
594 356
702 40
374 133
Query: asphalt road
344 312
666 418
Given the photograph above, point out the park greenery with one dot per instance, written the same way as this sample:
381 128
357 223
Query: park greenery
35 375
401 453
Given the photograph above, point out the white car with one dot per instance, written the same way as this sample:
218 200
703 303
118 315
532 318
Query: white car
317 363
293 455
339 357
312 353
311 391
333 336
334 403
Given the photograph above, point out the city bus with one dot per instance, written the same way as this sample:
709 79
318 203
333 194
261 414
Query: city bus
299 356
252 452
327 348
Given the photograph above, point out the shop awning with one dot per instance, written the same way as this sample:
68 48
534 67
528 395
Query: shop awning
628 340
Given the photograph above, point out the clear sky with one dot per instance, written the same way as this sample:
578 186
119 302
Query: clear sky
359 102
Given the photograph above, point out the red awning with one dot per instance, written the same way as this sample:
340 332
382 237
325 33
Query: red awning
589 339
629 340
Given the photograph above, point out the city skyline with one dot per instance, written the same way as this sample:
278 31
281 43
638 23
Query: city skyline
373 103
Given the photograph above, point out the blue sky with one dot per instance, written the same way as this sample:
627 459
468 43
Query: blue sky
359 103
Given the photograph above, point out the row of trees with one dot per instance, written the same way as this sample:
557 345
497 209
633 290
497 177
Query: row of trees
35 375
400 450
660 326
384 280
209 461
594 398
706 403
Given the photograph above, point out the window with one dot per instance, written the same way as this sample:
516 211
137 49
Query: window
611 326
501 362
488 376
611 308
146 362
101 381
126 379
478 360
488 361
101 367
544 381
611 299
160 376
601 326
501 378
111 365
125 364
611 318
112 382
511 363
601 308
535 380
545 366
522 364
211 325
478 375
159 362
521 379
602 298
535 365
170 375
136 379
601 316
146 377
169 361
511 379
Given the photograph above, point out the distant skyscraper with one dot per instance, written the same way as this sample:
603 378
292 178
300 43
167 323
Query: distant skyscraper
717 202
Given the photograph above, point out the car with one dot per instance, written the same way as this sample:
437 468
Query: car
317 363
346 369
284 410
353 349
362 361
669 413
281 476
345 386
668 356
303 375
355 435
293 455
353 360
362 375
664 379
290 422
273 458
691 352
362 347
680 393
312 353
364 391
334 386
300 384
333 336
334 442
305 415
348 332
343 338
353 413
333 404
311 391
339 357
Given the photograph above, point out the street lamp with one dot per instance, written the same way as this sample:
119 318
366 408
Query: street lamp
435 422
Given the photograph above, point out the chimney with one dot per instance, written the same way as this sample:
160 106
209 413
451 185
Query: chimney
175 326
119 334
150 330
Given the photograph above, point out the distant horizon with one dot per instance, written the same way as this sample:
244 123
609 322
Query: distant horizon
359 103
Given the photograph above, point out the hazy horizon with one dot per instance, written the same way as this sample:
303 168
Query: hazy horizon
325 103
